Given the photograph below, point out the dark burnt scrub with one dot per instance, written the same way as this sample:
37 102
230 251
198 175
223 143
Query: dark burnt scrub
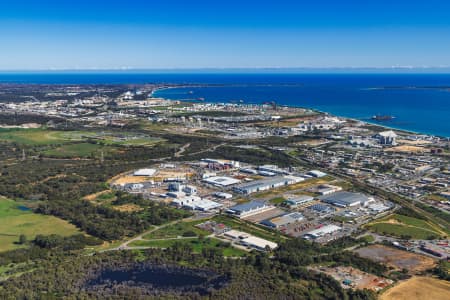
156 279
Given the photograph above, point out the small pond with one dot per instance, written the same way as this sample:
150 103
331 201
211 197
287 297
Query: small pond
23 208
162 278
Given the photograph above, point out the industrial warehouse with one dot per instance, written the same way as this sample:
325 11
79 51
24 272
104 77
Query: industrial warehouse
346 199
297 201
196 203
221 181
322 231
249 208
249 240
283 220
266 184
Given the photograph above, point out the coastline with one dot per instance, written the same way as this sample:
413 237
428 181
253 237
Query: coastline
402 130
209 85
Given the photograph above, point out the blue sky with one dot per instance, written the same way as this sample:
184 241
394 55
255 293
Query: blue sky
223 34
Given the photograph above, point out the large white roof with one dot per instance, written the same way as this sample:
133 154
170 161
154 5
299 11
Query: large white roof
195 202
259 242
204 204
317 173
388 133
222 180
144 172
324 230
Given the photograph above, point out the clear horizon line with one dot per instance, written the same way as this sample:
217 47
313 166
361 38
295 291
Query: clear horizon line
390 69
401 67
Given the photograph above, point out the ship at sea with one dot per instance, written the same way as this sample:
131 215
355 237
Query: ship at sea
382 117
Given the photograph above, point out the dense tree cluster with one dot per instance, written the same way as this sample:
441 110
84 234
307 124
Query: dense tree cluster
18 119
18 92
74 242
40 247
435 211
108 223
256 277
8 152
253 156
442 270
405 211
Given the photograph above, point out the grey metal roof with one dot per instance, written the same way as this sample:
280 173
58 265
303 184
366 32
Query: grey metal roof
247 206
261 183
344 198
283 219
320 207
300 199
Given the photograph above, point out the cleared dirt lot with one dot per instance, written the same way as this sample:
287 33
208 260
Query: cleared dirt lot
128 208
406 148
419 288
161 174
396 258
131 179
408 142
357 278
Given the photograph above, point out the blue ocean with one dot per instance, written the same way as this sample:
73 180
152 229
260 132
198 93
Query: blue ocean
419 102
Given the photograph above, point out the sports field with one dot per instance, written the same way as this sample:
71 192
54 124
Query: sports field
178 229
32 136
16 220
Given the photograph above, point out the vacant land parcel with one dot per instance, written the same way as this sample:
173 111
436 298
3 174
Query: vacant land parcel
42 136
396 258
16 220
405 227
419 288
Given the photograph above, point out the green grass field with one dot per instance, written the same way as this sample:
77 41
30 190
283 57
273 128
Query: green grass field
403 226
77 144
80 150
148 141
277 200
31 136
42 136
106 196
167 236
176 230
14 222
196 244
160 243
402 231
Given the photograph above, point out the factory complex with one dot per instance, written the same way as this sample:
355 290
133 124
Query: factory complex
346 199
309 199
